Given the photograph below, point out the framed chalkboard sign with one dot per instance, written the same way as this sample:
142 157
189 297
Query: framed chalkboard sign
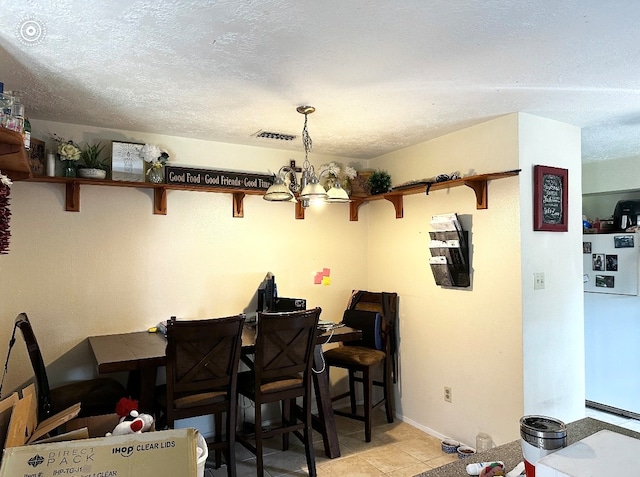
550 192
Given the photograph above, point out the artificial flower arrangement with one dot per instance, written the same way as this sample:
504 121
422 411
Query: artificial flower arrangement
154 156
68 151
334 172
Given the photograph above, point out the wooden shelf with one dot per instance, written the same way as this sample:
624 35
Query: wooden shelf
14 161
478 183
72 185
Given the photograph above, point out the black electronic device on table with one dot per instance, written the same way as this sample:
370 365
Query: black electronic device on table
267 293
268 300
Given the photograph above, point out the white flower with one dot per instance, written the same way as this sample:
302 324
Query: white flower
5 180
69 151
350 172
154 155
331 169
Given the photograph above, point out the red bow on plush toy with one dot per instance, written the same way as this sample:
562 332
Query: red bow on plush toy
131 421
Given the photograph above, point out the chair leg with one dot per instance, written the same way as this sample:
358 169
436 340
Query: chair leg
388 391
308 437
352 391
230 449
218 438
367 386
258 429
286 421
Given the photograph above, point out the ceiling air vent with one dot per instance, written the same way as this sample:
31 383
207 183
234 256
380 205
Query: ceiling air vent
275 135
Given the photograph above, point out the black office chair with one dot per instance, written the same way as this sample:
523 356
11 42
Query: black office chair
202 375
375 314
281 373
96 396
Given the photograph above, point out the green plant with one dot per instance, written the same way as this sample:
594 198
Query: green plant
380 182
90 157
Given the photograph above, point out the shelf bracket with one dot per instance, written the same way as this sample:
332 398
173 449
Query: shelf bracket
397 202
354 205
160 200
72 197
238 204
480 188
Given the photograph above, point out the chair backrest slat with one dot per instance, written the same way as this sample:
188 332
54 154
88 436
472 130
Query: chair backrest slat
284 344
203 355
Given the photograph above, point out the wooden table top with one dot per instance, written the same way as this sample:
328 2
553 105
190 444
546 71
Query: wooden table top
138 349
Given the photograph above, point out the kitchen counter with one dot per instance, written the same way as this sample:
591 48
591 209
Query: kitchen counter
511 453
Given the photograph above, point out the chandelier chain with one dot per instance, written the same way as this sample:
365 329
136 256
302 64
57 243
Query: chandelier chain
306 139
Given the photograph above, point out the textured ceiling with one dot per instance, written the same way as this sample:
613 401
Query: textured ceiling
382 75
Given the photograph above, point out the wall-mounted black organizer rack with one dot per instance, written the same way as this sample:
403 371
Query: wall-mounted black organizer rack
449 252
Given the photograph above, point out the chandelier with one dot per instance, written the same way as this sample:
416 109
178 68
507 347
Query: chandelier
308 188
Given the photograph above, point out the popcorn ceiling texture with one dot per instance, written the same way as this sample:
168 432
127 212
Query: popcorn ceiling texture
381 75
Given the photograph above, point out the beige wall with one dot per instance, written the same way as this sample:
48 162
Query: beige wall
116 267
467 339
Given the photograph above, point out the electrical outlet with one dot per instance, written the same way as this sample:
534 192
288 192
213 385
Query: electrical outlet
538 281
447 394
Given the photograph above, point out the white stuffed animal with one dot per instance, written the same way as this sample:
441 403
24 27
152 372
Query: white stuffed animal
135 423
131 421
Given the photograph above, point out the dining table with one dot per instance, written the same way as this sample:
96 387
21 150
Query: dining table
142 353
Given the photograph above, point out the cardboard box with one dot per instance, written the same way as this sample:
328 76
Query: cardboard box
150 454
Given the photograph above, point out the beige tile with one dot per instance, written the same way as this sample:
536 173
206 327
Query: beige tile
422 449
388 458
442 460
410 471
348 467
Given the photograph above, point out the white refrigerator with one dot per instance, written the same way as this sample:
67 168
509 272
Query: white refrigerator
612 321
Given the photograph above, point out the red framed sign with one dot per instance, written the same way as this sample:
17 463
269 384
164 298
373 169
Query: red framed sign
550 194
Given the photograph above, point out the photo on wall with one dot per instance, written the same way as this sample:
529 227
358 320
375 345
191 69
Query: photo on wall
611 263
605 281
586 247
598 261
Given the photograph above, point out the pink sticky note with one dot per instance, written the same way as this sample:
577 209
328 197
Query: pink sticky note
317 280
326 272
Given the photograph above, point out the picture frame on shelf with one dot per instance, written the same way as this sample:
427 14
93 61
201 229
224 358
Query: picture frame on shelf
550 199
37 156
126 163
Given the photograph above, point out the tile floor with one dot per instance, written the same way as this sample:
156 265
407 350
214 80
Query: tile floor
396 450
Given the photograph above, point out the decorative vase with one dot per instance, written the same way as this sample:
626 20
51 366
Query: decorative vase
346 185
69 169
156 175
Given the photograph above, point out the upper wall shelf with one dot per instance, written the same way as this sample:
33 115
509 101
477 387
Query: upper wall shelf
72 192
72 184
14 161
478 183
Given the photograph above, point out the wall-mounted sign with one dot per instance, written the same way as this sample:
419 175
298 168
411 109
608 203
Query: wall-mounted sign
550 193
217 179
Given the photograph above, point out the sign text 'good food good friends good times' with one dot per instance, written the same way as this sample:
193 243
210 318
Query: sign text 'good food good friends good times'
217 179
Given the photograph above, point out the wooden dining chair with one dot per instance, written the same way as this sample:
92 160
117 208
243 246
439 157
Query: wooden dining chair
96 396
202 372
281 373
374 314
